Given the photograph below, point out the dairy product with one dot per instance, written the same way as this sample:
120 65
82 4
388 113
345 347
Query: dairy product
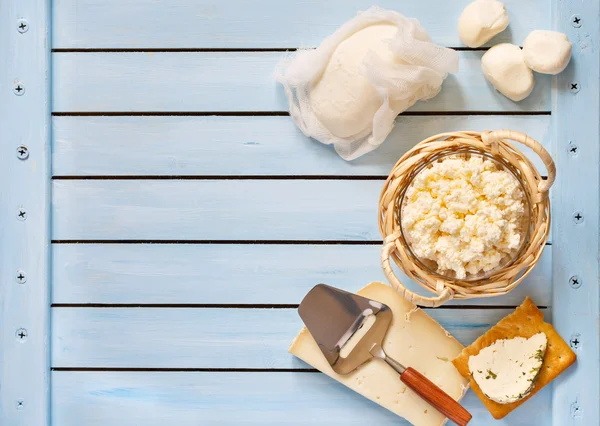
507 369
504 66
342 98
547 52
465 215
348 91
415 340
526 321
480 21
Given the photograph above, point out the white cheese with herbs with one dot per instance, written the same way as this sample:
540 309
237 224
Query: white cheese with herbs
507 369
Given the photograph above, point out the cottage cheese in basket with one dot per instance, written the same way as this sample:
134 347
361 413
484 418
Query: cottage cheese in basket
464 214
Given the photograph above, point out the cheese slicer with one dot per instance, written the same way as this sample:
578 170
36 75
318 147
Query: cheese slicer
349 329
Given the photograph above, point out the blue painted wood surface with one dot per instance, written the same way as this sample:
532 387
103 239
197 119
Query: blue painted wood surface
210 278
256 24
577 317
234 398
121 146
216 210
24 189
206 338
222 274
234 81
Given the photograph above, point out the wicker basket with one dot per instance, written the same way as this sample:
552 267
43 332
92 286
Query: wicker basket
490 143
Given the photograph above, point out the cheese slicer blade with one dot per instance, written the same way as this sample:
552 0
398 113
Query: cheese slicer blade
349 329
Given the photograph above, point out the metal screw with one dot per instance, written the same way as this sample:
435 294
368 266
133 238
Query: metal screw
22 152
575 341
573 148
575 409
21 214
18 88
576 21
21 277
21 334
574 87
575 281
577 217
20 404
22 25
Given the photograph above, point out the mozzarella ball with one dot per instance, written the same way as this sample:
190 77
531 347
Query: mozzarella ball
480 21
547 52
343 99
504 66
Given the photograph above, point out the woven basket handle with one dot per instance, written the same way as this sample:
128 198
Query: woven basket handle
444 293
492 139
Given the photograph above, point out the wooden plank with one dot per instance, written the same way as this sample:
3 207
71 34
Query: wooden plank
576 394
205 337
231 398
262 23
174 145
214 210
234 274
24 212
234 81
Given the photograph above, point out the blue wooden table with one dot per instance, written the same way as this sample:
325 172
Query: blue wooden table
161 216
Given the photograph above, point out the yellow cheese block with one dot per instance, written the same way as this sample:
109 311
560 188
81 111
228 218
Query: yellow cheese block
414 339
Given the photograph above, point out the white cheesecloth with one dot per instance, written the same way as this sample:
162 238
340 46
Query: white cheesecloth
398 85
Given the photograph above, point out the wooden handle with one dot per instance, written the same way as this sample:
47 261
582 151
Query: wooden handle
430 302
443 402
494 137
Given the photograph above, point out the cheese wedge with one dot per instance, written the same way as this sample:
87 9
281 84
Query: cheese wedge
526 321
507 369
414 339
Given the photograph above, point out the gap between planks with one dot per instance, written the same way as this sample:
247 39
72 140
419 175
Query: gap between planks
250 306
224 177
271 113
205 370
210 50
231 242
220 177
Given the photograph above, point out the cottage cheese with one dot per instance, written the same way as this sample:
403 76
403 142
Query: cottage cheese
465 215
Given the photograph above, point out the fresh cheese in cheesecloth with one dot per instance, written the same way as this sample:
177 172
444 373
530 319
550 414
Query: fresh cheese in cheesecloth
414 339
507 369
342 98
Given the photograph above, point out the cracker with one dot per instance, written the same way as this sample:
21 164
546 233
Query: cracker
526 321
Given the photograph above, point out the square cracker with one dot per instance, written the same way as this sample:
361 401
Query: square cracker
526 321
